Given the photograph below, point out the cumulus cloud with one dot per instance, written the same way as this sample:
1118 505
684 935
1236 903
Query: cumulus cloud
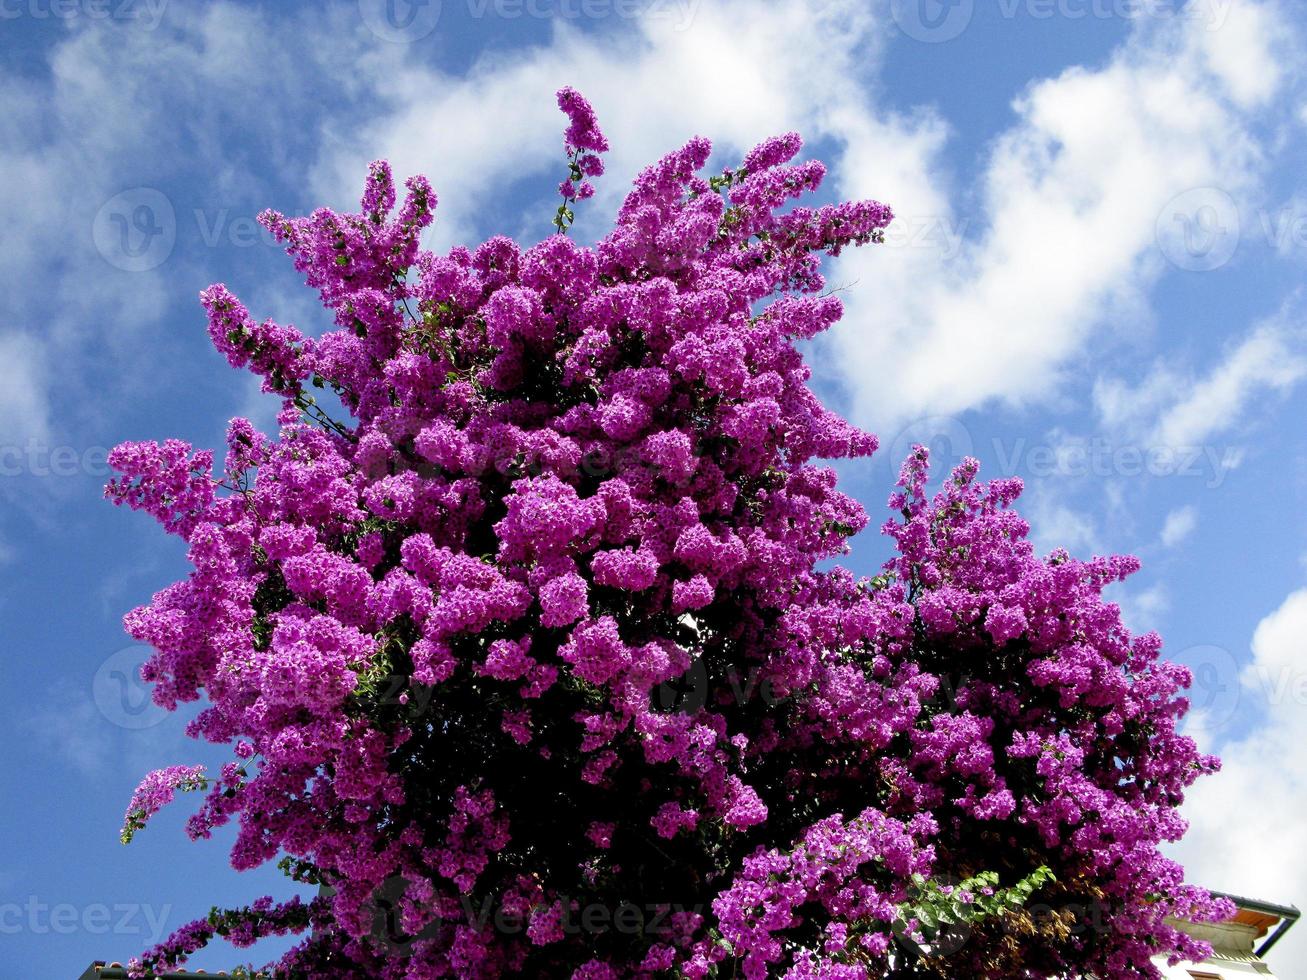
1247 834
1068 201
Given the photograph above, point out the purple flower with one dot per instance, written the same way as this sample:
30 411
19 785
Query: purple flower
532 596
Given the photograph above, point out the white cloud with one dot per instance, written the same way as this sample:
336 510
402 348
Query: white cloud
1061 231
741 73
1247 834
1171 407
115 108
1141 610
23 403
1069 201
1237 47
68 727
1180 523
1054 524
1061 235
1265 359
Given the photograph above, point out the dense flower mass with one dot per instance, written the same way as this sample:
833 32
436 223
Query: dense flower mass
524 632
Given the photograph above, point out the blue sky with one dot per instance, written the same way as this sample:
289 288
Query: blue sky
1094 283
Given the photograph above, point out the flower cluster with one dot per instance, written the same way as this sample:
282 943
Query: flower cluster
584 142
486 620
156 791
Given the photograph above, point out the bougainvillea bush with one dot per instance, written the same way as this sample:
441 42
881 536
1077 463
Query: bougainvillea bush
524 634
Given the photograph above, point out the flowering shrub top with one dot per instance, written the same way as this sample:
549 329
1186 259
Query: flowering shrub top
533 652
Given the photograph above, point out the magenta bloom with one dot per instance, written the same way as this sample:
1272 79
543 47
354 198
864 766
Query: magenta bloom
156 791
583 131
584 142
524 629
